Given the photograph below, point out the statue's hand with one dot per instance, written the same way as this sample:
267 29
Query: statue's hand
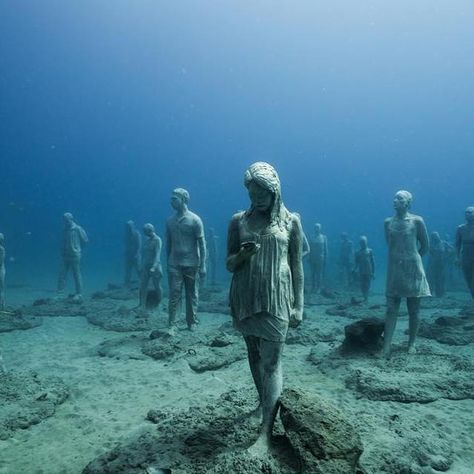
296 318
247 249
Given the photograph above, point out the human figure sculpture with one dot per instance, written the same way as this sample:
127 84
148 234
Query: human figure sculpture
407 241
436 271
74 238
133 248
151 265
318 256
465 248
212 254
364 266
2 273
346 258
186 252
264 254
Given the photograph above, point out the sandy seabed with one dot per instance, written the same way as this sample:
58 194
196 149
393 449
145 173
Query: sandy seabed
109 397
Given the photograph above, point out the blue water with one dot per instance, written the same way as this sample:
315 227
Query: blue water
106 106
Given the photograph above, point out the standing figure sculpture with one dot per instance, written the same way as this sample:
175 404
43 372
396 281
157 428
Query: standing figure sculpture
365 266
436 271
264 254
74 238
212 254
318 256
2 273
407 241
465 248
151 267
133 248
186 252
346 257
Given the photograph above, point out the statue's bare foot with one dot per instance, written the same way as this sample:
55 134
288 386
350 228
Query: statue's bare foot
257 413
411 349
260 448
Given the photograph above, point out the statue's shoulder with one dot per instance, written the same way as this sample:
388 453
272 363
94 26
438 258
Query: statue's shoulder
417 219
238 216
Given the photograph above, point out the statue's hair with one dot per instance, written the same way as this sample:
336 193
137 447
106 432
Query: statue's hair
68 215
149 226
406 194
183 194
265 175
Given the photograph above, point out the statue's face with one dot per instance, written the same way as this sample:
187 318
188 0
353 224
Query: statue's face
470 214
317 229
148 230
261 198
68 220
363 242
401 202
176 202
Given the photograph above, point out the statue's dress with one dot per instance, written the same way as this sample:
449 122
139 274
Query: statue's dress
405 273
261 293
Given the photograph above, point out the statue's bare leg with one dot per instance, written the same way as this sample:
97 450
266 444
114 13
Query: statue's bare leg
158 288
393 306
63 271
468 271
413 306
2 291
76 272
272 385
144 278
253 352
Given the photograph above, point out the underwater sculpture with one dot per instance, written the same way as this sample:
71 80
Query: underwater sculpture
407 241
365 266
465 248
151 265
318 257
346 257
264 254
436 271
186 253
2 273
133 247
74 238
306 247
212 254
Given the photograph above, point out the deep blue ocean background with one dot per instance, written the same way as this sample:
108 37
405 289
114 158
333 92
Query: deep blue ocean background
106 106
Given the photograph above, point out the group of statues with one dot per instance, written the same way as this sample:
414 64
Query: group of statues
265 250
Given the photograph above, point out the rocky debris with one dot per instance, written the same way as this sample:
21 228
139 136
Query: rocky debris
310 336
419 378
212 353
214 358
340 310
323 440
26 399
417 445
364 335
17 321
451 330
204 439
116 292
125 348
122 319
56 307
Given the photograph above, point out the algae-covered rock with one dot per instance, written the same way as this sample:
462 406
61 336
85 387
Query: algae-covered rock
324 441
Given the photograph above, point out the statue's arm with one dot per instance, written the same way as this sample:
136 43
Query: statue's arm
168 241
422 237
458 242
295 253
201 241
306 249
387 230
234 259
156 262
83 235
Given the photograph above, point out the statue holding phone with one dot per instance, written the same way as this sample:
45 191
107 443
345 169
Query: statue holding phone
264 254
